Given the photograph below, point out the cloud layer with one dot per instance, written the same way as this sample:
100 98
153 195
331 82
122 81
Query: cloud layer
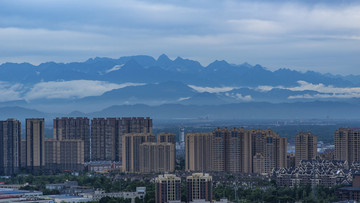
58 90
318 35
325 92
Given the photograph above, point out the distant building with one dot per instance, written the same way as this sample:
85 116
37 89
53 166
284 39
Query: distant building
198 154
290 158
166 137
157 157
167 188
98 194
328 154
347 145
259 163
64 155
70 188
131 150
350 192
10 146
317 172
235 150
305 147
102 166
199 186
23 153
73 129
35 144
106 135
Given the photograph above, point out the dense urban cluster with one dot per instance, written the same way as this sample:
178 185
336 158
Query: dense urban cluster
129 145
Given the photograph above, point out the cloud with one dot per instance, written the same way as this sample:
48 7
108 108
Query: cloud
326 96
239 96
115 68
325 91
10 92
72 89
183 98
211 89
243 98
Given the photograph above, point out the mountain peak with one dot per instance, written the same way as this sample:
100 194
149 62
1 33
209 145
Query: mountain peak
163 57
218 64
163 60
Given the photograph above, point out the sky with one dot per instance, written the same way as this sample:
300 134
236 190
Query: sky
321 35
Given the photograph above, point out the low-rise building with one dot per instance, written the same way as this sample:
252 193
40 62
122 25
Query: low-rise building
351 192
318 172
97 195
70 188
102 166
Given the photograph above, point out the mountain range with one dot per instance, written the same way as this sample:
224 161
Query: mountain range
179 88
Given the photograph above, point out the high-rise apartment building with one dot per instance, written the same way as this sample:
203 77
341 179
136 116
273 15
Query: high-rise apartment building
23 153
234 151
102 140
106 135
198 155
157 157
64 155
166 137
51 154
71 155
131 150
10 146
271 146
35 144
238 151
258 163
219 149
347 145
305 147
199 187
73 129
167 188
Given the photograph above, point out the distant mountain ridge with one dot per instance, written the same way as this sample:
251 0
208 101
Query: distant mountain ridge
149 70
142 81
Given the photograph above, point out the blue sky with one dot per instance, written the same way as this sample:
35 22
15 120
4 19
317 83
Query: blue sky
323 36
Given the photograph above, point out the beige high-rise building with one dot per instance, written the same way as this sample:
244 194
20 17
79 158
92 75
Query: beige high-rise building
10 146
305 147
259 163
73 129
157 157
271 146
35 143
347 144
131 150
64 155
198 148
167 188
238 151
199 187
219 149
166 137
234 150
